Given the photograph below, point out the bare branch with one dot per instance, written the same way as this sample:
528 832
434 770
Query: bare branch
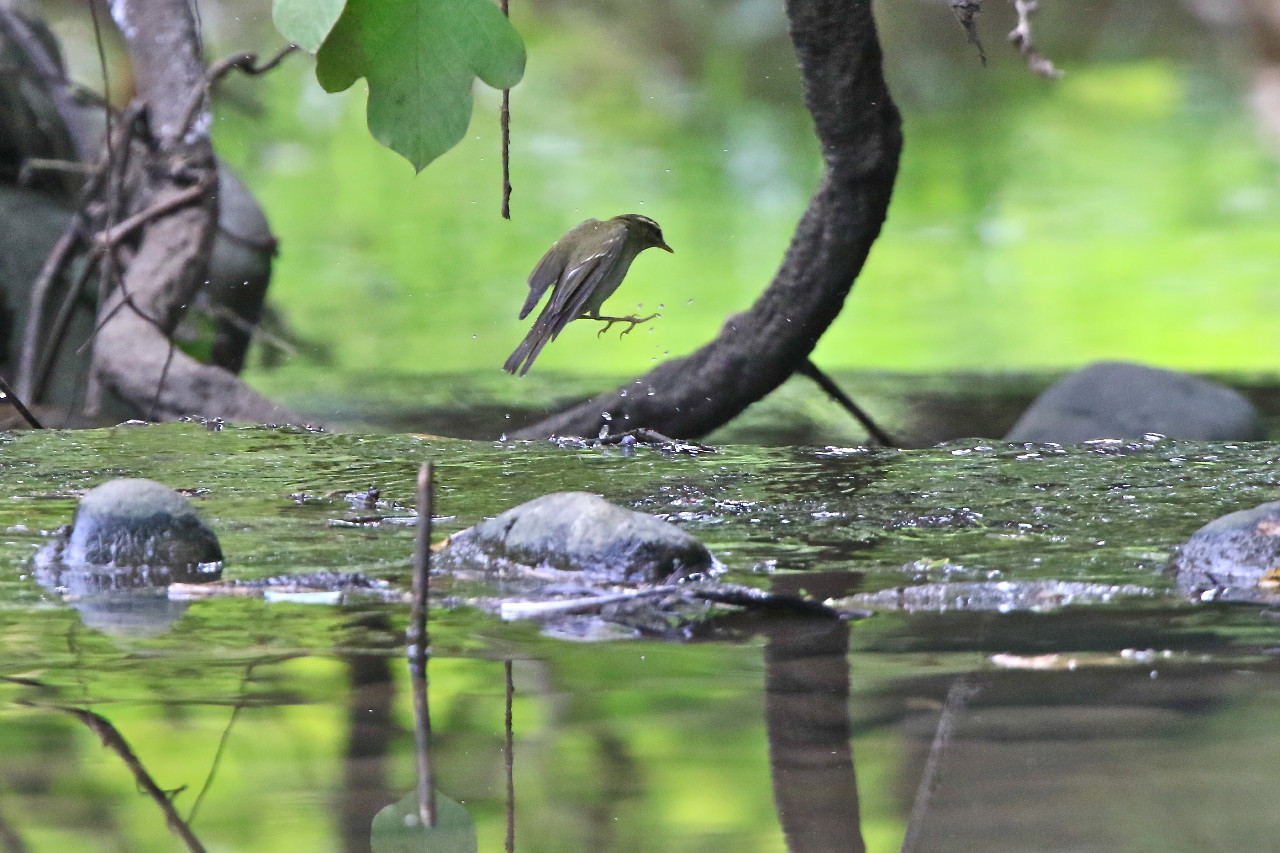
1020 37
967 13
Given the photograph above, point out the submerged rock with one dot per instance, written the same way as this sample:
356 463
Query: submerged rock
130 539
579 532
136 525
1236 556
1038 596
1119 400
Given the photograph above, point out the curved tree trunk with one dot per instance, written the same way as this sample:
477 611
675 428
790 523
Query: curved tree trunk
859 129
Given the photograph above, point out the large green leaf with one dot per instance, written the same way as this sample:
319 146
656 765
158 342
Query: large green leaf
306 23
397 829
421 58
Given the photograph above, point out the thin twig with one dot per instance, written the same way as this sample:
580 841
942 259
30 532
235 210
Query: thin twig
57 330
962 690
510 759
239 62
504 119
58 258
246 62
33 166
106 78
418 645
826 383
114 741
222 744
154 409
967 13
113 235
14 400
1020 37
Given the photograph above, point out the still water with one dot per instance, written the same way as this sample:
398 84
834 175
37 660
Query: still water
1131 721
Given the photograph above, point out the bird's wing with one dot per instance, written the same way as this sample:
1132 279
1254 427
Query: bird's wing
583 276
551 269
577 280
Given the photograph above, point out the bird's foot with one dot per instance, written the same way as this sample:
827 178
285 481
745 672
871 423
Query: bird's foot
633 321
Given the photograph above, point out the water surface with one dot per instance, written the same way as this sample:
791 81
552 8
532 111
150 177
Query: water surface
1142 723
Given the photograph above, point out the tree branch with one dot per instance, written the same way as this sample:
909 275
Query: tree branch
133 354
858 128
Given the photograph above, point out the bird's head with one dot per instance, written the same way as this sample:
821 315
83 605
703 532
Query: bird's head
645 230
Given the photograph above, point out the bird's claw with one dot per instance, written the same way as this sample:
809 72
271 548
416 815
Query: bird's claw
633 321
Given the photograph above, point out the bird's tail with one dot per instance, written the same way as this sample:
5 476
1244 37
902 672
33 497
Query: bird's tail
522 359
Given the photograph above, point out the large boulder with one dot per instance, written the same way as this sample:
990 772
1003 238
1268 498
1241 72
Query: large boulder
1119 400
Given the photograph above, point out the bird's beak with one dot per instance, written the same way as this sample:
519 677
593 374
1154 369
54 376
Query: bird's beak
668 248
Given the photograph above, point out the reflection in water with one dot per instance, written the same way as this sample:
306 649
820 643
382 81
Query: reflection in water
806 714
371 729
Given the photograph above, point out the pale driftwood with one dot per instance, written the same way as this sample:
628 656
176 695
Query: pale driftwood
133 353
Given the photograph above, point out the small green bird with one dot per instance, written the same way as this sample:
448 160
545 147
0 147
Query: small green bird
583 269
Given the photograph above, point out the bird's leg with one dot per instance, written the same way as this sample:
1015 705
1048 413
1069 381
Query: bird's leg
609 321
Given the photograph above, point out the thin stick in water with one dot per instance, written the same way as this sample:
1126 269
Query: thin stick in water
962 690
510 762
418 647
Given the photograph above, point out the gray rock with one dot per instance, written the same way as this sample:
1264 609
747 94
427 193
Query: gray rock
129 541
579 532
1119 400
136 524
1236 556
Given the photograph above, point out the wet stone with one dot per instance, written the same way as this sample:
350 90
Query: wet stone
1234 557
138 525
1121 400
578 532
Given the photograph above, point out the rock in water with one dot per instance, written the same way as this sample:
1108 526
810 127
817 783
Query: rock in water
576 531
1236 556
1118 400
136 522
130 539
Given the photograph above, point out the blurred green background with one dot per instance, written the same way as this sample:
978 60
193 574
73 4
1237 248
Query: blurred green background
1129 210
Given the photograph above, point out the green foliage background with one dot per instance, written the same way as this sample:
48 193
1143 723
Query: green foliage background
1126 211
